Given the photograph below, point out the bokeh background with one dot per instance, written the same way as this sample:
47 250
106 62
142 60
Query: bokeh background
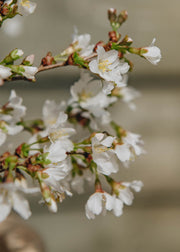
153 222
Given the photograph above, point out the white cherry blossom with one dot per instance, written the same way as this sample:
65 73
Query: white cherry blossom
152 54
124 192
103 155
57 172
29 72
6 129
11 198
82 43
89 95
53 114
108 66
130 147
17 109
99 202
136 185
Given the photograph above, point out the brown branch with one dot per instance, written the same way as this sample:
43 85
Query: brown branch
45 68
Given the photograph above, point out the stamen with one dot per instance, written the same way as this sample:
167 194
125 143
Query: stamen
103 65
25 3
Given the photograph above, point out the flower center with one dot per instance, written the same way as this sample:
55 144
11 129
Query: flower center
58 134
104 65
84 95
100 148
25 3
51 121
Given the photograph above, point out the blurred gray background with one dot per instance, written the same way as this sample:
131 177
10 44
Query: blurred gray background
153 222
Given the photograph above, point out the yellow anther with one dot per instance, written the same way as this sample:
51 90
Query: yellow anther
58 134
84 95
104 65
25 3
52 121
100 148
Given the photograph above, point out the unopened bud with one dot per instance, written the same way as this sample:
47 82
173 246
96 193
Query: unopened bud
13 55
70 60
48 197
5 10
112 15
29 60
113 36
127 41
33 168
48 60
122 17
16 54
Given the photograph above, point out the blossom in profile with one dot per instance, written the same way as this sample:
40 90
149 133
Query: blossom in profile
124 193
152 53
11 197
15 106
100 202
29 72
108 66
82 43
131 146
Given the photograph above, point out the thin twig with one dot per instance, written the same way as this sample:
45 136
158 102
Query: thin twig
45 68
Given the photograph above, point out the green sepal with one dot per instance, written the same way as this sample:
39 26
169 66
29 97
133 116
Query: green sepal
79 61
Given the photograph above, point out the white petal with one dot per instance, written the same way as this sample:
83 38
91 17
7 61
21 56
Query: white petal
5 210
21 205
52 206
26 8
126 196
118 207
136 185
108 141
2 137
123 153
93 66
94 203
89 214
30 72
14 129
5 72
109 201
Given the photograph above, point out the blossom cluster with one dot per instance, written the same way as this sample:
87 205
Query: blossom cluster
77 140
